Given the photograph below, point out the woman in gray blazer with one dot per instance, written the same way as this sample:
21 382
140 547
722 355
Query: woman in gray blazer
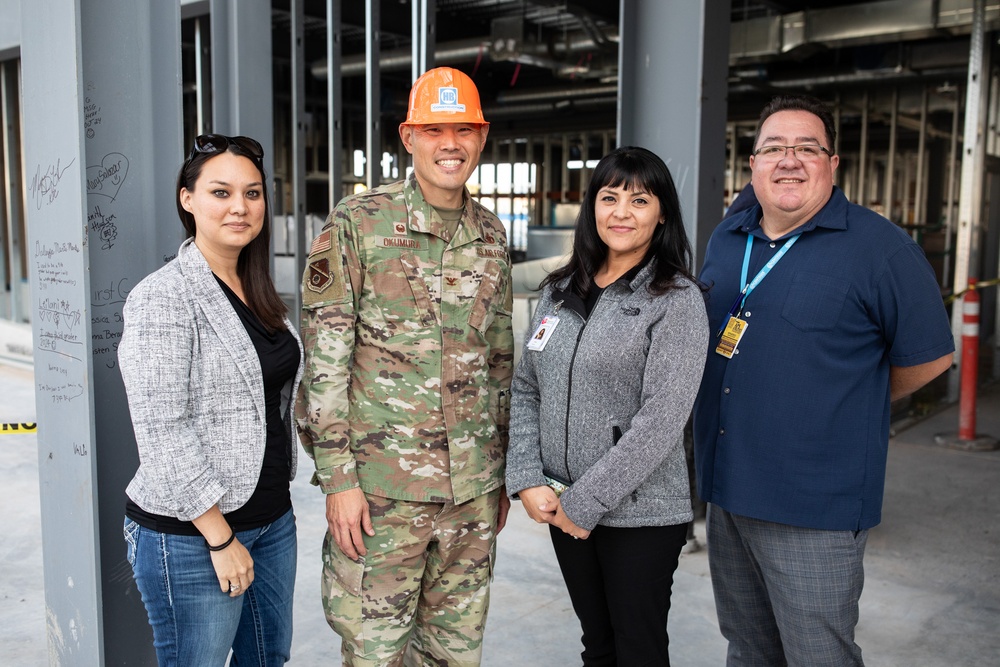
210 362
609 373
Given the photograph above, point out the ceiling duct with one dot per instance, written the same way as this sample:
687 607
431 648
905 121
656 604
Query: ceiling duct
864 23
506 38
467 50
555 94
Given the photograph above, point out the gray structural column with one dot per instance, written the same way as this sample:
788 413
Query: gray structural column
242 93
102 133
334 101
13 197
970 203
666 47
423 28
373 94
299 168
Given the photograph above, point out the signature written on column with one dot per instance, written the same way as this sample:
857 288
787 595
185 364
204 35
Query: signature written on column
44 186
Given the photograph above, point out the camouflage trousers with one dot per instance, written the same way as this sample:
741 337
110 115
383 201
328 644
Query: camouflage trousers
420 595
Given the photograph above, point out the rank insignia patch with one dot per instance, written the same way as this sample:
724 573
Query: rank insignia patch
319 275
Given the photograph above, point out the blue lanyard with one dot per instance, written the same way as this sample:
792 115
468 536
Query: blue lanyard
741 298
764 271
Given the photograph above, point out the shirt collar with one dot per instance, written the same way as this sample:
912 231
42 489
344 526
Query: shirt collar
421 215
833 215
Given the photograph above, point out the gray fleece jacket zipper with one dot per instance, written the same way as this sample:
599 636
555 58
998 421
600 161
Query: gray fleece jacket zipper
636 372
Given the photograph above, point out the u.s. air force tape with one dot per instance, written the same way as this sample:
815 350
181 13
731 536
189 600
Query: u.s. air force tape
18 428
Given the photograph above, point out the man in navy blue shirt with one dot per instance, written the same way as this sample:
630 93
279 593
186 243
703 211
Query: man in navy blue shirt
823 312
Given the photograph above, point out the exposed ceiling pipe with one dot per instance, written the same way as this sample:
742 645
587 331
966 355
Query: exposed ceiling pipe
868 76
542 108
546 94
464 50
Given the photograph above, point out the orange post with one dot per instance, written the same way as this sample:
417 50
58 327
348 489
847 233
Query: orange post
970 364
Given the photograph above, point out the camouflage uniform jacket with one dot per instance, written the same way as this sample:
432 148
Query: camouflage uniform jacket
409 349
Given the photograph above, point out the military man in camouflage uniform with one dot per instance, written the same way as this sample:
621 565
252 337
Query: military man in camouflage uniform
405 400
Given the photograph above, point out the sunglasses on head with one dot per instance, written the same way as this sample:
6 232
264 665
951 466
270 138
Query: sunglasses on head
217 143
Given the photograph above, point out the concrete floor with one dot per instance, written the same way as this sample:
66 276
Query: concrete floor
932 593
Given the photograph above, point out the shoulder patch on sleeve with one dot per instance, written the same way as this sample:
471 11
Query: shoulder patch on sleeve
322 243
323 281
319 278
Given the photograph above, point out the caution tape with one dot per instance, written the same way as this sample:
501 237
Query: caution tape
974 286
24 427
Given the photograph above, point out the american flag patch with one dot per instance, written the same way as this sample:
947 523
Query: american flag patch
322 243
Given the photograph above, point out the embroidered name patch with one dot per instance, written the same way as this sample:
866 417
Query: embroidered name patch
391 242
319 275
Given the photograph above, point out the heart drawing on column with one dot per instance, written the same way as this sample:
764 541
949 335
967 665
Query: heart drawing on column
106 178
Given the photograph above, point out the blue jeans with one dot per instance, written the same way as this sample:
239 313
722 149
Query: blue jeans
195 623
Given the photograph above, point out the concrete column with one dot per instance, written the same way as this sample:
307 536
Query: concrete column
12 215
373 94
298 153
888 186
862 196
242 92
545 202
102 138
424 40
334 102
970 203
667 47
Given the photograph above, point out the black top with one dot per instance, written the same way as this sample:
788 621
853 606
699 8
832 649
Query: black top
595 291
279 359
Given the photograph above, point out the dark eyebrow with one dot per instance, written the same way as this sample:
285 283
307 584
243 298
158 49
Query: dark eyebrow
798 140
255 184
630 193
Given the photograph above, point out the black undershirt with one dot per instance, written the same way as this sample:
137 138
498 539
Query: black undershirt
279 358
595 291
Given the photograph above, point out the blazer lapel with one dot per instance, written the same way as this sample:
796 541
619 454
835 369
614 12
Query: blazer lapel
223 320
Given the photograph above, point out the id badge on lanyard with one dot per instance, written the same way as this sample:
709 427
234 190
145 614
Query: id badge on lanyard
734 328
730 336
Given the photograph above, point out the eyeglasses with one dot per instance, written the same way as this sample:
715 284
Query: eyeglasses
217 143
804 152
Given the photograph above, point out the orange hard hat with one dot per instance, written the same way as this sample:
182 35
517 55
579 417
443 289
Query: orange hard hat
444 95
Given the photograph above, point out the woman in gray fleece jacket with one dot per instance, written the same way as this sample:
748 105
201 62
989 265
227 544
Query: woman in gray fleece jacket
607 379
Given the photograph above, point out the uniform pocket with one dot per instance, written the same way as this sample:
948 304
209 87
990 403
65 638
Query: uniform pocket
395 308
489 296
341 590
338 568
814 301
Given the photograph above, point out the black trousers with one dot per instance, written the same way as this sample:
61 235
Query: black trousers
619 582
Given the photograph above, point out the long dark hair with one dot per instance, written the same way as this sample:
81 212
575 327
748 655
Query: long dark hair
633 168
254 263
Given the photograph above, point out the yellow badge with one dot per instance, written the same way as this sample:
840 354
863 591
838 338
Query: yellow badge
730 336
